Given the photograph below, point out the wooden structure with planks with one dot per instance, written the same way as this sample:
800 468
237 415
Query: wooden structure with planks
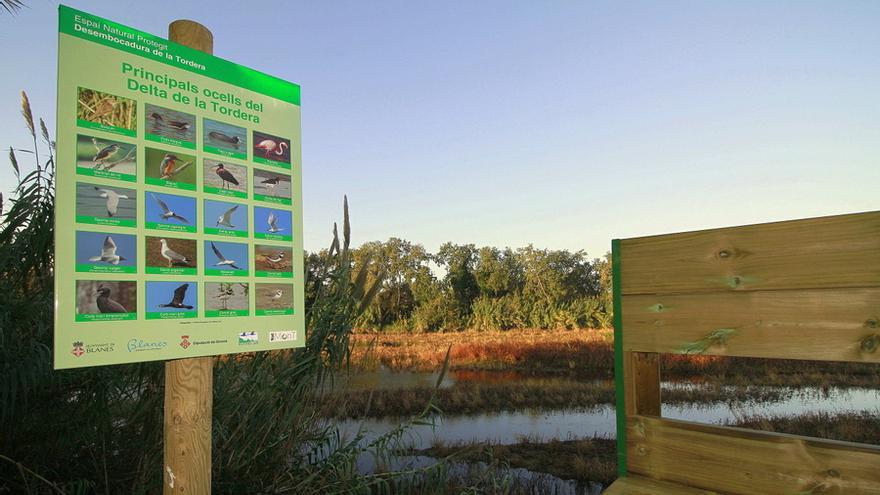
804 289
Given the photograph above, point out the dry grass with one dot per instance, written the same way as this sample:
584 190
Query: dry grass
535 350
586 353
104 108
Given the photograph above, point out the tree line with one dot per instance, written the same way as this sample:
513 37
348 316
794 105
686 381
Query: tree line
462 286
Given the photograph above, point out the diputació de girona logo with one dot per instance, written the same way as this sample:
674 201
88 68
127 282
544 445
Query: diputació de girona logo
184 341
78 349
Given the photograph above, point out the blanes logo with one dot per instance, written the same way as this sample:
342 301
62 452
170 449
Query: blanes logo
248 338
78 349
137 345
285 336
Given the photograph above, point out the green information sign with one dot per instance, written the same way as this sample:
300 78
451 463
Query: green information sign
179 205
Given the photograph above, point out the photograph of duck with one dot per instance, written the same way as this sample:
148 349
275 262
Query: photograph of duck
106 155
225 218
271 147
174 297
96 250
169 252
225 176
224 136
105 296
164 122
105 202
271 183
173 166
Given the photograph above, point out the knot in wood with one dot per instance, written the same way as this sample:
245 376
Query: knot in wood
724 254
872 323
871 342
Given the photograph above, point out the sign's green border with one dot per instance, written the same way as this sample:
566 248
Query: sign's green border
215 67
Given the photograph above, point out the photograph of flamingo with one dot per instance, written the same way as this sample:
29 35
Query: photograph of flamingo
271 150
168 126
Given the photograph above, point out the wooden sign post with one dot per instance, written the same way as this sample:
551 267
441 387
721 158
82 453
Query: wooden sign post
189 383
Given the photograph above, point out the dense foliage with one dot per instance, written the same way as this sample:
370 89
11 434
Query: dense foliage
462 286
99 430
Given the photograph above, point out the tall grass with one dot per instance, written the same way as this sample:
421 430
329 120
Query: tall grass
99 430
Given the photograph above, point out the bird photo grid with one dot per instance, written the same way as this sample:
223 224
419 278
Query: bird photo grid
179 205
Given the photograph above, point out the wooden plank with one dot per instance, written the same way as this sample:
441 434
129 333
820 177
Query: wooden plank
189 383
638 485
644 384
824 324
838 251
188 409
747 462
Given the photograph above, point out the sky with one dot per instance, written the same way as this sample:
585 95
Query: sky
559 124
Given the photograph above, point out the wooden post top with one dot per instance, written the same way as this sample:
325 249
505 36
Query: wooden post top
191 34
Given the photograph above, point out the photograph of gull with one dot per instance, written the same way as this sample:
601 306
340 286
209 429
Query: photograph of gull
99 248
169 208
105 154
99 201
272 221
224 215
228 256
224 176
170 252
171 166
105 296
270 183
273 258
274 296
175 297
221 296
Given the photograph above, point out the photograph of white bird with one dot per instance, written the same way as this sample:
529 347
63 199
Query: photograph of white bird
173 257
223 261
112 199
276 295
166 212
224 293
108 253
273 222
226 218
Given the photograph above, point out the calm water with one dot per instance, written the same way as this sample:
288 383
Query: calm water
512 427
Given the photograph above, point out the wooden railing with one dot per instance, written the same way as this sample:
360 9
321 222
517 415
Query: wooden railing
804 289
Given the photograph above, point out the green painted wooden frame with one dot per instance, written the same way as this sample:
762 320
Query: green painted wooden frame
618 360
